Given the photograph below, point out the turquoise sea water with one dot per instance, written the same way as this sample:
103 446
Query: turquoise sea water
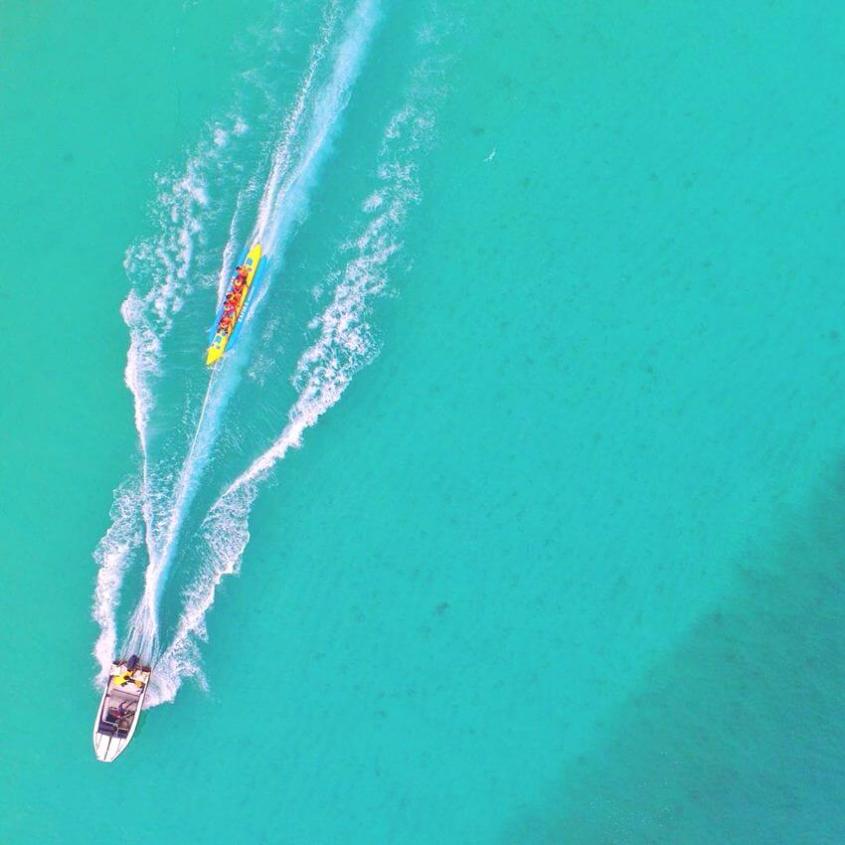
530 460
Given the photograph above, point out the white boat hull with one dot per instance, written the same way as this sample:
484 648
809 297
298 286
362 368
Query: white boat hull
119 711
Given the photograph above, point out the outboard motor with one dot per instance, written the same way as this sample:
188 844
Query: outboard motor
133 662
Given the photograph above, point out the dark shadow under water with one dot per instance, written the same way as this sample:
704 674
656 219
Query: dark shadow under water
739 735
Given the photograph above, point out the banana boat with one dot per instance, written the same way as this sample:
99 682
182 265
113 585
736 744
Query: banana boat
233 310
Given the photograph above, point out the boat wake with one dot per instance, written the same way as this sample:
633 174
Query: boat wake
166 514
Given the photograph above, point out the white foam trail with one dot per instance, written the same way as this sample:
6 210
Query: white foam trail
149 317
113 554
141 363
285 199
292 176
292 126
343 345
160 269
229 251
143 636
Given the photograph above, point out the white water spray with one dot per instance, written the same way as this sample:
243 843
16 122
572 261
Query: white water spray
284 203
342 347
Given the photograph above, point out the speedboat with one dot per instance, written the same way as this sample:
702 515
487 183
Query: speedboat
120 707
233 309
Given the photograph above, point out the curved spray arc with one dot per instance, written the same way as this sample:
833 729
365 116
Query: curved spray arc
113 554
150 317
159 270
284 202
342 347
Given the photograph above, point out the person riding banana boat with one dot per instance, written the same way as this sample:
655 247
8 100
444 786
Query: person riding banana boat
236 303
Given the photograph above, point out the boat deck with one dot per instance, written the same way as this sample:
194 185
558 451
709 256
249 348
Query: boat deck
119 710
120 707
